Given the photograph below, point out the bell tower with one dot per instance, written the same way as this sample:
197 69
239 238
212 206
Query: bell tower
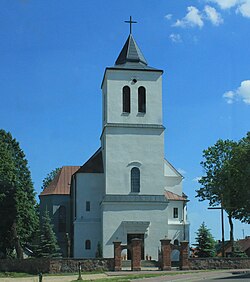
132 136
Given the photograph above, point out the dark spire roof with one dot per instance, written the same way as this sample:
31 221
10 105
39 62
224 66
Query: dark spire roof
130 53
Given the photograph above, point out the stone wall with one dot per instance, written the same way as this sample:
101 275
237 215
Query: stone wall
35 266
32 266
218 263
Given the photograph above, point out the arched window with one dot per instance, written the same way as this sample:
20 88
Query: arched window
141 99
135 180
87 245
62 219
176 242
126 99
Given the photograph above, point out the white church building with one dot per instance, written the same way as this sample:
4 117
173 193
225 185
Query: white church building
127 189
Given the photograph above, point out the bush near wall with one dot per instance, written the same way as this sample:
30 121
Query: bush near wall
35 266
218 263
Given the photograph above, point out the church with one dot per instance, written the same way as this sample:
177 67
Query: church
127 189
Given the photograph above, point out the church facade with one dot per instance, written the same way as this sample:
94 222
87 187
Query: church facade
127 189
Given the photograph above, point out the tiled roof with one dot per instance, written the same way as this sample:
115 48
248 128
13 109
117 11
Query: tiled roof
60 185
94 164
174 197
244 243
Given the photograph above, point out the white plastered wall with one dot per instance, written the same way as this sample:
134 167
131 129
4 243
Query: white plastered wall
87 225
114 228
112 87
126 148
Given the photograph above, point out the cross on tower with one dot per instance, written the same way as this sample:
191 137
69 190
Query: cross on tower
130 24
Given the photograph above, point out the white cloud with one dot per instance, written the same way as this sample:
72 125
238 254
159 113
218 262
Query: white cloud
244 9
226 4
212 15
175 37
244 91
168 16
196 179
193 18
241 93
242 6
229 96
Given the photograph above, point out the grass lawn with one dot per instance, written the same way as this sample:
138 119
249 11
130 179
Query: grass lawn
14 274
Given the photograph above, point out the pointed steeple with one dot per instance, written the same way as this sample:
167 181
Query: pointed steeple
130 53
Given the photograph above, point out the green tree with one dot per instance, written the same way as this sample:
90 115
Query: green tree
18 217
50 176
218 186
238 170
205 242
48 246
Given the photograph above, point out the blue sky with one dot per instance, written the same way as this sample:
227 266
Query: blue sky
53 55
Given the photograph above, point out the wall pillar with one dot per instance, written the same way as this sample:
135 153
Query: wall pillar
136 254
184 255
165 254
117 256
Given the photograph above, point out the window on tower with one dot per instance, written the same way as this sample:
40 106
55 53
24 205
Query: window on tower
126 99
87 245
141 99
87 205
135 180
175 213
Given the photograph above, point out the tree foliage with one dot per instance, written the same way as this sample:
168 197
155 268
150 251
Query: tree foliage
205 242
50 176
239 180
48 246
215 182
18 217
227 178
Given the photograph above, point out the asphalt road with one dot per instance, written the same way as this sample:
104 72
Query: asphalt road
213 276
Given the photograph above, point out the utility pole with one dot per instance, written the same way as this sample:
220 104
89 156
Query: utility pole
222 229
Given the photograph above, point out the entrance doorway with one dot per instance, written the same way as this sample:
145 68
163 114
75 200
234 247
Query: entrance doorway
129 243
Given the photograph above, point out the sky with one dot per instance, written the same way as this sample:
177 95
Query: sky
53 55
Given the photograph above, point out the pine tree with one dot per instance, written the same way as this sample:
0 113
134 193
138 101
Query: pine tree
205 242
18 217
48 246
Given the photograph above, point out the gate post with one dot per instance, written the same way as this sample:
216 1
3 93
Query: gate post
165 254
184 255
136 254
117 256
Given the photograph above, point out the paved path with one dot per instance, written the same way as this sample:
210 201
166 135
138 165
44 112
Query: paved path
190 276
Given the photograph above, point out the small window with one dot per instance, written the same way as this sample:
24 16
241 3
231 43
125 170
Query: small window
126 99
141 99
176 242
87 206
87 245
135 180
175 213
62 219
